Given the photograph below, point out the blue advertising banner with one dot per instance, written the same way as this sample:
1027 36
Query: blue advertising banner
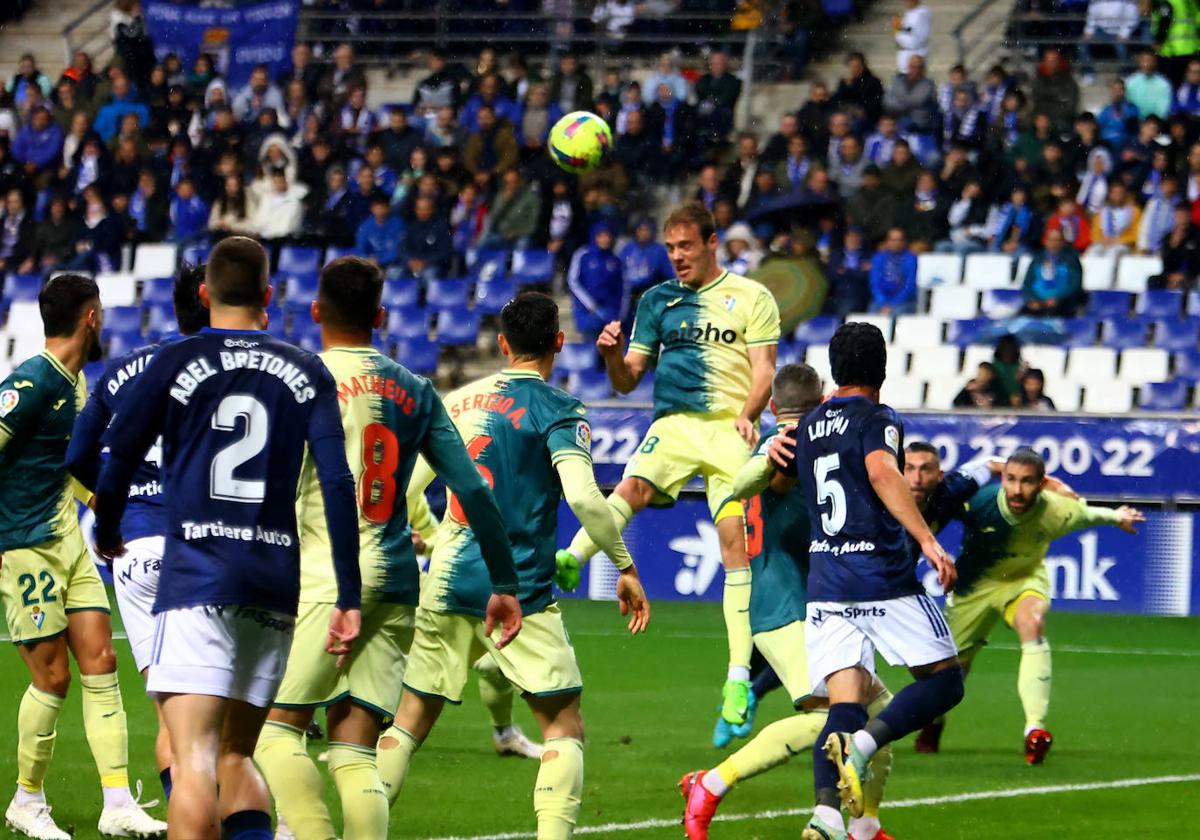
1100 570
1105 457
237 38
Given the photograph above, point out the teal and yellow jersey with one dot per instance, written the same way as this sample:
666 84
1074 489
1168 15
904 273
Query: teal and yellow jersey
777 538
388 414
1000 545
702 338
38 405
516 428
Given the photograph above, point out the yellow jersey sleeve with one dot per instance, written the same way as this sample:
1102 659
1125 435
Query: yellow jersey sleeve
763 324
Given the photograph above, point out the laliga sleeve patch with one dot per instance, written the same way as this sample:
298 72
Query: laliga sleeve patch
891 436
583 436
8 401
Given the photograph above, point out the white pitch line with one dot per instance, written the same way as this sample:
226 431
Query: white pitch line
949 799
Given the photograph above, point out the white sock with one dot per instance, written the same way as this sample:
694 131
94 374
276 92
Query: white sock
739 672
865 743
713 783
1032 727
864 828
117 797
504 731
24 797
832 817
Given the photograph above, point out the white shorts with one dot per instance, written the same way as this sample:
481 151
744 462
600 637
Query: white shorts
135 577
235 652
907 631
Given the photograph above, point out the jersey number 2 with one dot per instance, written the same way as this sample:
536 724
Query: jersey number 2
221 482
830 490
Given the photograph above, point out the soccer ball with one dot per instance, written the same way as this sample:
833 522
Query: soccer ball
580 141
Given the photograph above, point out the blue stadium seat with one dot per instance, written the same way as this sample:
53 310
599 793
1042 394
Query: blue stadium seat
489 264
577 356
161 319
1002 303
1187 365
276 322
1176 333
589 385
1193 303
1123 333
532 267
419 355
92 371
1108 304
294 259
122 342
817 330
491 295
401 292
306 334
446 294
123 319
333 252
1163 396
1160 303
1081 332
408 323
299 288
457 327
158 290
966 332
22 287
790 352
197 253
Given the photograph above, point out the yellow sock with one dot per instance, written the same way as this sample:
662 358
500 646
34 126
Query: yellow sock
364 803
106 729
773 746
495 691
881 763
559 789
393 754
294 780
36 719
1033 683
582 546
735 603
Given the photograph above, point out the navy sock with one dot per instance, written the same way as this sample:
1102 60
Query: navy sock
917 704
164 776
766 681
247 825
843 717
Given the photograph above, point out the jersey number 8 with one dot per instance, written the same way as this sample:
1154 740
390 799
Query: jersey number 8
830 490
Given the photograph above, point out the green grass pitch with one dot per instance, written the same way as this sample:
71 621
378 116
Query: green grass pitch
1124 695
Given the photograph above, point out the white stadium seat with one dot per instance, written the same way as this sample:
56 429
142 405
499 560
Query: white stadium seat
940 393
1134 270
817 356
24 317
1050 360
1092 365
26 345
897 362
905 394
117 289
988 271
957 302
884 322
1064 393
939 270
152 261
914 331
1023 263
1108 397
935 364
999 304
1098 272
973 355
1140 365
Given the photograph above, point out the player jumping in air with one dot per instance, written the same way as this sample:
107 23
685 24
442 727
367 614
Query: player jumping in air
1007 531
777 542
54 601
135 574
389 416
863 592
712 338
531 442
235 408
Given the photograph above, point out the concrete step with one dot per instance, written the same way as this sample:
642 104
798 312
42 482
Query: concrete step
41 33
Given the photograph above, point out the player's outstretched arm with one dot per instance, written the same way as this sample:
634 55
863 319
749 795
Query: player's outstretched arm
889 484
762 373
625 370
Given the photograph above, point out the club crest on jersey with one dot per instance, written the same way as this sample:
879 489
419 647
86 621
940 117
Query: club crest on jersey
38 617
8 401
583 436
891 436
728 302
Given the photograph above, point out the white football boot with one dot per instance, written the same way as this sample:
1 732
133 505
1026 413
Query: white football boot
130 820
514 742
32 819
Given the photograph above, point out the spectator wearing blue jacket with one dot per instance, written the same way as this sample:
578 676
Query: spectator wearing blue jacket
427 244
644 260
894 276
594 279
188 213
38 144
380 236
123 101
1118 119
1053 285
490 95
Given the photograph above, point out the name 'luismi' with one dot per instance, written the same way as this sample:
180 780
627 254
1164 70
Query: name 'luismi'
831 426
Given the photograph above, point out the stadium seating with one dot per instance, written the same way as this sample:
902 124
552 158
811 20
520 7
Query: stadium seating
491 295
196 253
1066 395
577 356
1187 365
457 327
532 267
150 260
1176 334
939 270
817 356
160 319
1122 333
999 304
966 331
816 330
333 252
446 294
904 393
935 363
118 288
958 302
294 259
1160 303
1145 364
1108 398
1092 365
1134 271
1051 361
158 290
789 352
122 319
22 287
913 331
988 271
589 385
1097 272
418 354
1111 304
940 393
401 292
1163 396
487 264
120 343
1081 332
408 323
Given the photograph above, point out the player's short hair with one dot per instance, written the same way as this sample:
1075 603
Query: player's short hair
191 315
1027 457
349 292
236 274
923 447
858 355
692 213
797 388
62 300
529 323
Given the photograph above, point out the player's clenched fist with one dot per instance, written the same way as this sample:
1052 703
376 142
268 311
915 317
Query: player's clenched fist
612 340
941 561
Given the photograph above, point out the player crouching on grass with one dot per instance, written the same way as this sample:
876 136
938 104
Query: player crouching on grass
54 601
777 542
532 442
1007 531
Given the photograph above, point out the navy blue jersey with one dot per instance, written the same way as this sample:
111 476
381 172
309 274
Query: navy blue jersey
144 517
947 500
859 552
234 410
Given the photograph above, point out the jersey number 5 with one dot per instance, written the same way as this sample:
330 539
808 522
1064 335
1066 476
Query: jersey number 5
221 482
474 449
830 490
